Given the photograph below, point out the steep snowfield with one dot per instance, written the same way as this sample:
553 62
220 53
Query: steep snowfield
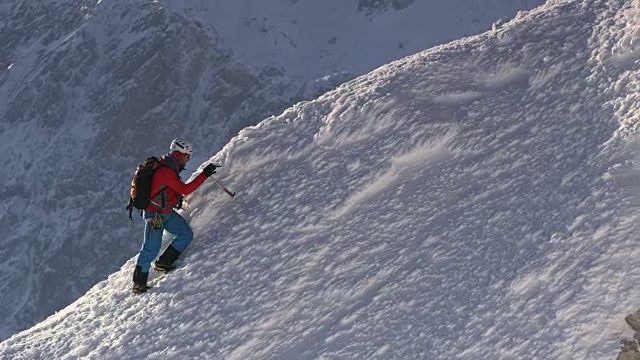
89 92
462 203
90 88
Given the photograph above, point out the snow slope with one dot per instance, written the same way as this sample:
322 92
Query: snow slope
89 88
462 203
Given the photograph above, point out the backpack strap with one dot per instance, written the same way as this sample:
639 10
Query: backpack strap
170 162
156 204
130 209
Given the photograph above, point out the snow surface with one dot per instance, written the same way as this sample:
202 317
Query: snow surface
101 85
463 203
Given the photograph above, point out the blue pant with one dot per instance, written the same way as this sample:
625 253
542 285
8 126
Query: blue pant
172 223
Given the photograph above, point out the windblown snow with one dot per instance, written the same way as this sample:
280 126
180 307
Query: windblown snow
89 88
462 203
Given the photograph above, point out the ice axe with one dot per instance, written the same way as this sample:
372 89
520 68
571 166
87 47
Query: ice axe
229 192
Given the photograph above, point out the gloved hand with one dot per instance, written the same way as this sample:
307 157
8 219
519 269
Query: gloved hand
180 203
209 170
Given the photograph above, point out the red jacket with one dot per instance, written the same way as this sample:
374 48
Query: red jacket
166 185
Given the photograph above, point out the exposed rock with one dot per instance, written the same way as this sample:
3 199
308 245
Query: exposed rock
371 6
634 320
629 348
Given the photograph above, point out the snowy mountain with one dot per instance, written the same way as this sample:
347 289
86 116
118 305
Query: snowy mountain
81 104
90 88
473 201
314 38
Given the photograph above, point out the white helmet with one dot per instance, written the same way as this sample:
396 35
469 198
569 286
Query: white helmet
181 146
